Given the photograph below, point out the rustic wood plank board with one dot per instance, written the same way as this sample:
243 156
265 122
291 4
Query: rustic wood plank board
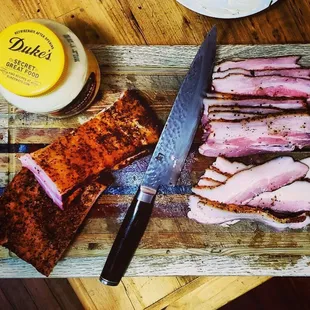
173 244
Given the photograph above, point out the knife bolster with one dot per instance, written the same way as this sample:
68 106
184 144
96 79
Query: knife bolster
146 194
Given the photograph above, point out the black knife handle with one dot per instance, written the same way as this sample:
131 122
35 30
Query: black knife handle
128 237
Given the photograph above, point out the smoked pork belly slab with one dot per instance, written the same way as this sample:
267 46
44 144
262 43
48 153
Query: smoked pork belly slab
240 103
273 86
209 212
230 116
36 229
245 185
279 132
98 145
300 73
245 109
220 149
259 63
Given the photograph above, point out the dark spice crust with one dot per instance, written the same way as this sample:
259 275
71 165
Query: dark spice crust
275 216
37 230
3 236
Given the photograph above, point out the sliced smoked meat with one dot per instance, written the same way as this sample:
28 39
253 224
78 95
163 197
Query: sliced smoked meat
274 103
260 63
299 72
273 86
247 184
227 167
291 198
209 212
283 132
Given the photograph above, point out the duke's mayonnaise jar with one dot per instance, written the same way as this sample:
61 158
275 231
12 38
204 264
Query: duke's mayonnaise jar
44 68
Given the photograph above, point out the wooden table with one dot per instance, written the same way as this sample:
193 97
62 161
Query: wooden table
163 22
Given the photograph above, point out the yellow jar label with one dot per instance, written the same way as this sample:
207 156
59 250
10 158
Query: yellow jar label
32 59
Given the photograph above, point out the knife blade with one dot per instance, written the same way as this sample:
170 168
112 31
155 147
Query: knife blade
167 160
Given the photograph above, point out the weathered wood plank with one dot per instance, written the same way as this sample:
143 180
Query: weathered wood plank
212 265
4 253
4 135
4 178
182 56
4 162
199 243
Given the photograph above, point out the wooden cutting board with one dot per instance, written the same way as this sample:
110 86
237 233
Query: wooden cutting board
172 244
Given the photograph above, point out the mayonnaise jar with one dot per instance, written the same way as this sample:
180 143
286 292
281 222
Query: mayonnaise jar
44 68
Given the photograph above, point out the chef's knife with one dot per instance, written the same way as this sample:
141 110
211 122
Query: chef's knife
167 160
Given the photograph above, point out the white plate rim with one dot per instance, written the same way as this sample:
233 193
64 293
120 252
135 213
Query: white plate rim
196 8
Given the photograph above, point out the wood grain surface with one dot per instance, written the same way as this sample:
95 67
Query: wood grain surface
162 22
173 244
33 294
156 293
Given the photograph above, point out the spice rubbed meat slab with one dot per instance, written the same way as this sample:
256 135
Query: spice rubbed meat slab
36 230
100 144
31 224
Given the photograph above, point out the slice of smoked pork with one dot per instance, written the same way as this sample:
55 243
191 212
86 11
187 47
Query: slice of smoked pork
299 72
227 167
283 132
220 171
214 176
273 86
99 144
231 116
220 149
260 63
249 183
291 198
274 103
210 212
208 182
245 109
37 230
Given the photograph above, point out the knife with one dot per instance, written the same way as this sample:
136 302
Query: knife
167 161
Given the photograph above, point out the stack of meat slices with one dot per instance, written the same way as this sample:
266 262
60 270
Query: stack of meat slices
257 106
275 193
